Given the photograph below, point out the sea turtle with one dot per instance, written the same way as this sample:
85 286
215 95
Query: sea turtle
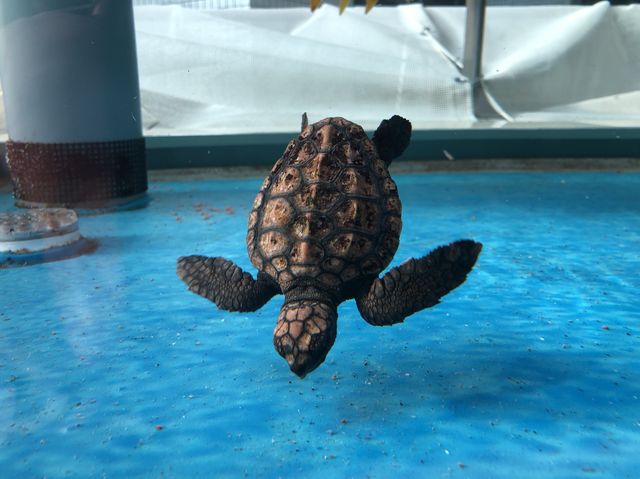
324 224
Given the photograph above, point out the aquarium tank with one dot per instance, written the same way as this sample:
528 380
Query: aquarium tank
324 238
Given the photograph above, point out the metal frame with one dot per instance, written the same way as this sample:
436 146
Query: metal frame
473 40
472 60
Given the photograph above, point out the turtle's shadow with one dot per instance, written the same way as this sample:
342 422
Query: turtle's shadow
513 384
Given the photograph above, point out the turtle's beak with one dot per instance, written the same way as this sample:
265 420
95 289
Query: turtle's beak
301 372
301 366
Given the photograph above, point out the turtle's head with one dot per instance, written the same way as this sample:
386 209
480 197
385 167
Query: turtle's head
304 334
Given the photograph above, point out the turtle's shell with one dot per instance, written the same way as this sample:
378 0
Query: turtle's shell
328 210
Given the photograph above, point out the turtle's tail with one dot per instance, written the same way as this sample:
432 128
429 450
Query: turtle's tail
305 333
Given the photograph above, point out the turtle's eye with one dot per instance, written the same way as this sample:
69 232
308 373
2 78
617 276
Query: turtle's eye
304 334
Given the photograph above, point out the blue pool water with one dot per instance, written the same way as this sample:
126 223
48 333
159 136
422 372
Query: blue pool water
110 368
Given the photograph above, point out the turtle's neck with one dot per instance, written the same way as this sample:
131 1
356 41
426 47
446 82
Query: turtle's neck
311 291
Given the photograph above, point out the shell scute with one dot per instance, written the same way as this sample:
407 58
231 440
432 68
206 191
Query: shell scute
358 182
277 213
280 263
273 243
349 245
349 274
306 152
287 181
370 265
306 252
333 264
305 270
251 234
316 196
257 201
311 225
380 168
389 186
358 214
327 136
253 219
392 203
393 224
324 168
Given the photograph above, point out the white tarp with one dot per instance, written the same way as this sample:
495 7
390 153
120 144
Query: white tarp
556 63
258 70
252 70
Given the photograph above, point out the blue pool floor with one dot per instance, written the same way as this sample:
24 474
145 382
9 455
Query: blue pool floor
109 367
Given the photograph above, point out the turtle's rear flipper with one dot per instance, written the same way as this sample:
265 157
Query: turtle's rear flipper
224 283
417 283
392 138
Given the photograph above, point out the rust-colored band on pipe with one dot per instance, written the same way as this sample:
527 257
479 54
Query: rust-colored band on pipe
77 174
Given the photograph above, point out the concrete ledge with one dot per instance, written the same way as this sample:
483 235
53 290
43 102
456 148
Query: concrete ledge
409 167
430 150
458 144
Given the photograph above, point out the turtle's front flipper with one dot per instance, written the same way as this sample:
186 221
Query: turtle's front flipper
392 138
224 283
417 283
